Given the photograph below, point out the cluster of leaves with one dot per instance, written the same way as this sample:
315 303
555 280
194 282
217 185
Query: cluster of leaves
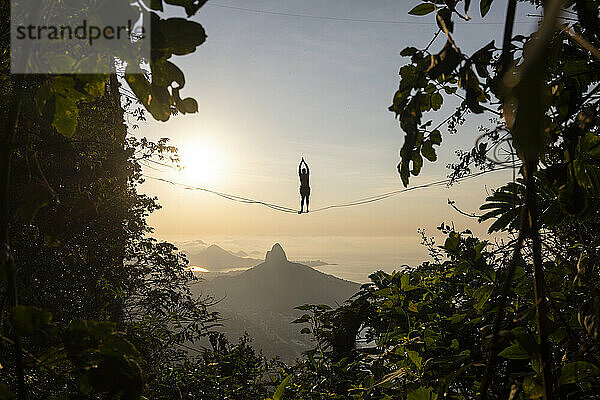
423 333
155 83
429 77
567 71
79 237
84 357
225 371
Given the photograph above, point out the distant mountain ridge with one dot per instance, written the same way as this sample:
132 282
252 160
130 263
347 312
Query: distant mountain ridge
280 285
217 259
261 300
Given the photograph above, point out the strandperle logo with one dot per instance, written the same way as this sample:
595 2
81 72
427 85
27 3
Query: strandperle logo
84 31
75 36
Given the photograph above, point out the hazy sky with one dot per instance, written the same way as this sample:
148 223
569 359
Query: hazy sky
272 88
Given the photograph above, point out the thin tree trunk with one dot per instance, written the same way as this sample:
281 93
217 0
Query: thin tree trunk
6 153
499 317
505 60
539 284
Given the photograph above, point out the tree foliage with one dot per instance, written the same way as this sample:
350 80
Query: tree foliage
424 332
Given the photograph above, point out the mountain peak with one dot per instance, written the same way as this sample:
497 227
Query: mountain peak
276 254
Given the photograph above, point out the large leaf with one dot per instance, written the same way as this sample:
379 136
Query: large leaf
484 7
175 36
514 352
577 371
421 393
278 395
28 319
422 9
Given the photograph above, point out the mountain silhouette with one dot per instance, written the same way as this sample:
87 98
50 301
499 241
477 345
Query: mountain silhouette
280 285
216 259
261 300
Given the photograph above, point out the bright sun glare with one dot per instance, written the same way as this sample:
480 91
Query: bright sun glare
202 164
195 268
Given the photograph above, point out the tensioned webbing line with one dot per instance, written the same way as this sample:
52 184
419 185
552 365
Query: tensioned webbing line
227 195
365 200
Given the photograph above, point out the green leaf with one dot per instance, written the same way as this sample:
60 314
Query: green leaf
412 307
572 198
590 143
577 371
532 389
467 5
164 73
92 64
420 394
156 5
422 9
436 101
302 319
415 358
408 51
94 86
484 7
514 352
589 313
445 62
451 242
404 281
5 393
191 6
278 395
482 295
428 151
188 106
65 116
417 163
456 318
435 137
28 319
175 36
117 345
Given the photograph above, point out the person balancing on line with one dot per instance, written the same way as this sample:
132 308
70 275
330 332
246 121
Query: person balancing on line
303 172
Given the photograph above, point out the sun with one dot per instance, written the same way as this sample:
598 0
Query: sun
202 164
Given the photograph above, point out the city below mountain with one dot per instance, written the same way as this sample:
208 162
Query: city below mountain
261 301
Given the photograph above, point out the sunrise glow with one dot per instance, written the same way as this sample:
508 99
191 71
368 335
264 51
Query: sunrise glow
202 164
